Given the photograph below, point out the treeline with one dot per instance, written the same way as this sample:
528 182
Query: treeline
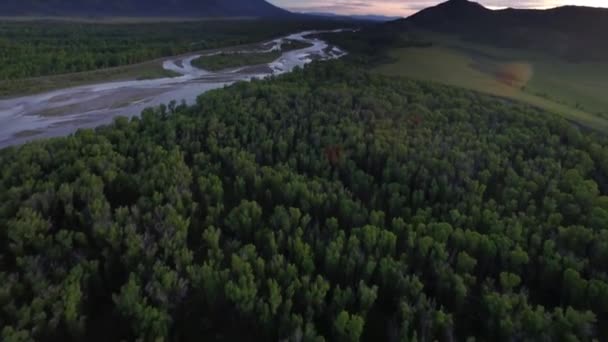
40 48
369 45
327 204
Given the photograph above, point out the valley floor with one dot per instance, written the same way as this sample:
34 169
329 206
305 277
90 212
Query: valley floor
174 80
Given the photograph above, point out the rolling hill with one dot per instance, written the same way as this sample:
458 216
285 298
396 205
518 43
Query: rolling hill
571 32
140 8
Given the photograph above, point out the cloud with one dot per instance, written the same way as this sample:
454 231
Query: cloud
407 7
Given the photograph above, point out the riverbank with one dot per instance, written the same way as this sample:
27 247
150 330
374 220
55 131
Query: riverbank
63 111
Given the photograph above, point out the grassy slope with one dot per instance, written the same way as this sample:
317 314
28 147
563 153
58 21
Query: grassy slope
576 91
586 84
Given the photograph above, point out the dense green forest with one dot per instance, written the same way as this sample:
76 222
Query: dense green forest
40 48
327 204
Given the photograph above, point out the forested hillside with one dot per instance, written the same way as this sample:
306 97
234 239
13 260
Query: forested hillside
327 204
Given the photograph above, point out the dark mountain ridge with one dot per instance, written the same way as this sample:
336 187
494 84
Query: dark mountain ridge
572 32
141 8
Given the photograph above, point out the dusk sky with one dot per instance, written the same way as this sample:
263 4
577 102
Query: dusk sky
407 7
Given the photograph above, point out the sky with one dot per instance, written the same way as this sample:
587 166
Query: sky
407 7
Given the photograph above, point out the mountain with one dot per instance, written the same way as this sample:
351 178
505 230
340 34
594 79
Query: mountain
141 8
572 32
453 14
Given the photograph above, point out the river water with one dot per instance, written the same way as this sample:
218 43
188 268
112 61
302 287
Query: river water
64 111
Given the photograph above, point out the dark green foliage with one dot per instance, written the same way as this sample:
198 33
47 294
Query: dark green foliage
234 60
327 204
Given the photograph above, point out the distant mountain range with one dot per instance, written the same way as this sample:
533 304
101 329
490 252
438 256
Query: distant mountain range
572 32
141 8
370 17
